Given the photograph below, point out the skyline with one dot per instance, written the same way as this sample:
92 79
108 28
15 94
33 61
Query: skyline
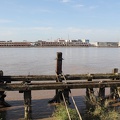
96 20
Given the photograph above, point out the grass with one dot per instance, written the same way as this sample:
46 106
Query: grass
98 111
103 113
61 113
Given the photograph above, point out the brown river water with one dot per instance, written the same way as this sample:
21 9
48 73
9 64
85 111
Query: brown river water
40 61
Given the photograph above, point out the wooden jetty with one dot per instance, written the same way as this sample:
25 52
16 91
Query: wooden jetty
26 83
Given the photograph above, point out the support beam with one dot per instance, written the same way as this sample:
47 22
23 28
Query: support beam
53 77
27 105
89 91
113 90
60 85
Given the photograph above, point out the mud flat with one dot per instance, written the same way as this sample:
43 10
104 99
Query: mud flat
41 110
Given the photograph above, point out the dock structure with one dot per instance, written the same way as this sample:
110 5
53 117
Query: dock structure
59 82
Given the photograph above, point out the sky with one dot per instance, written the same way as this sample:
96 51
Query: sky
32 20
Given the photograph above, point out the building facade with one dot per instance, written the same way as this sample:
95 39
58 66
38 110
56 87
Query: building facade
63 43
14 44
107 44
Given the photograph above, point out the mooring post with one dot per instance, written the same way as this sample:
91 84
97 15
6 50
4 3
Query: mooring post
27 105
59 72
113 90
59 67
59 63
58 97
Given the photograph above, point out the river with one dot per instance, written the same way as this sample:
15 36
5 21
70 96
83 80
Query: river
41 61
30 61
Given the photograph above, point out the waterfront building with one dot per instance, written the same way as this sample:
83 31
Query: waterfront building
14 44
78 42
118 44
107 44
63 43
42 43
94 44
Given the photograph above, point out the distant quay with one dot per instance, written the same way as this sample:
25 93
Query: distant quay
58 43
41 43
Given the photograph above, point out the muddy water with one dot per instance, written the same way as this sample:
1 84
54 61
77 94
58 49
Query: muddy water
26 61
38 61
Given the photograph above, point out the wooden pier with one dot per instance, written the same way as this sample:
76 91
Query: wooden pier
26 83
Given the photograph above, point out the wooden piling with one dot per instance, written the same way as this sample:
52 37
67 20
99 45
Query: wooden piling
101 93
1 73
58 68
58 93
113 89
89 91
27 105
59 71
59 63
1 92
2 95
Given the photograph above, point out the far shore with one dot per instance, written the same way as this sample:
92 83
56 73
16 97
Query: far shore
59 47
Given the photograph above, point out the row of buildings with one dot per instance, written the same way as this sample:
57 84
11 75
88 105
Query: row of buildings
78 42
41 43
106 44
14 44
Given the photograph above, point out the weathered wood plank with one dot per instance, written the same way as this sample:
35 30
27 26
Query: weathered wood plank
54 85
53 77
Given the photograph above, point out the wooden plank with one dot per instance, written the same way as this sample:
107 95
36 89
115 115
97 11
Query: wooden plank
53 77
54 85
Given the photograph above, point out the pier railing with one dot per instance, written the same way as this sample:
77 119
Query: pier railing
27 83
75 82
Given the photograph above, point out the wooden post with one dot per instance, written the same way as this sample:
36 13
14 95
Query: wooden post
59 67
101 93
1 73
113 90
59 63
27 105
59 72
89 91
58 94
2 94
89 94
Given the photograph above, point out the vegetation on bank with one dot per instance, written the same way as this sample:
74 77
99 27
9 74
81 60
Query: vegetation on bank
97 111
101 110
61 113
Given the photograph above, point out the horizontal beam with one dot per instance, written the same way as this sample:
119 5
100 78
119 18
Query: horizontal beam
60 85
53 77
